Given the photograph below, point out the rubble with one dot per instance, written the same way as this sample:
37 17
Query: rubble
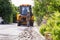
29 34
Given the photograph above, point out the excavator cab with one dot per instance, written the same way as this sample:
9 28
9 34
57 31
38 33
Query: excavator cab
21 17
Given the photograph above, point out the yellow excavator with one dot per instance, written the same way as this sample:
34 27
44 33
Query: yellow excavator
21 17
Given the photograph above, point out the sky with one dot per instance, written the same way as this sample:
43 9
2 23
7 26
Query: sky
19 2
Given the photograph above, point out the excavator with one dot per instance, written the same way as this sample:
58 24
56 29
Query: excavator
21 17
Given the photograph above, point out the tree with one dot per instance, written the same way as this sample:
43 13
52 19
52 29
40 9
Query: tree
15 11
6 10
43 7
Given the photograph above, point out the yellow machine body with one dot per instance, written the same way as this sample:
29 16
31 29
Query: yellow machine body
21 17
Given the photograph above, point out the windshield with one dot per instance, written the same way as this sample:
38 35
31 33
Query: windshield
25 10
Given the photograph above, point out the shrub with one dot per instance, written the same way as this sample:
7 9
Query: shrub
52 26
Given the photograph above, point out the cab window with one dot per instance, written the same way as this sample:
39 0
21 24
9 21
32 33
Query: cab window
25 10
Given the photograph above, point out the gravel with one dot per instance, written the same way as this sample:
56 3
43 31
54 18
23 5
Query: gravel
29 34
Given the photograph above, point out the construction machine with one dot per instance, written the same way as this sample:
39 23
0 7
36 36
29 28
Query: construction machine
21 17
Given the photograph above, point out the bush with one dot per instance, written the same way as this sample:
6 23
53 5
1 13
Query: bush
52 26
43 29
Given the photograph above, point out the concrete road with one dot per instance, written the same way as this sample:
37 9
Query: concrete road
12 31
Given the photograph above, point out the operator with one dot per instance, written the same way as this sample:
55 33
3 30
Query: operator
28 18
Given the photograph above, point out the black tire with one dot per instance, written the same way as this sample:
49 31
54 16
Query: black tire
2 22
19 23
31 24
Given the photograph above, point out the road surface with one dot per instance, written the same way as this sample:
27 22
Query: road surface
12 31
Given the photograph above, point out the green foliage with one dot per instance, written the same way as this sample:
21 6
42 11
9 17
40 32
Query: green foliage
43 29
6 11
15 11
56 33
52 26
43 7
